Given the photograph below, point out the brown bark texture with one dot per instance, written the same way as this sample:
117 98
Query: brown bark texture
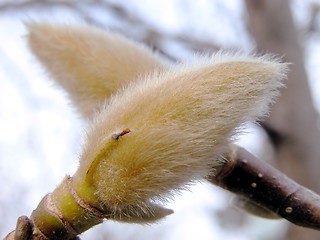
292 125
268 189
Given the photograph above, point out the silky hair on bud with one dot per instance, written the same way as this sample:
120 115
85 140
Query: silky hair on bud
154 128
88 62
178 124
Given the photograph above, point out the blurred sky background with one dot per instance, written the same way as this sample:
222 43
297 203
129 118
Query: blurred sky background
41 134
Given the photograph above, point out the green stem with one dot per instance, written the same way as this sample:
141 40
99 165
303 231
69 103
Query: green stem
63 214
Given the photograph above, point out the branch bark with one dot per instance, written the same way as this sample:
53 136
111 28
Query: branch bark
268 188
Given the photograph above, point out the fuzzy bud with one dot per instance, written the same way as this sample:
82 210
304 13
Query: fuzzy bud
174 127
88 62
163 127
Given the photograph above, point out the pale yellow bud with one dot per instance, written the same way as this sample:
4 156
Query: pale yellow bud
88 62
163 127
171 128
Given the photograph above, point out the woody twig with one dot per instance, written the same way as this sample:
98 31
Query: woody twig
247 176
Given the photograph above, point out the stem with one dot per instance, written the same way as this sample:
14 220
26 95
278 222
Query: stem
264 185
60 215
76 211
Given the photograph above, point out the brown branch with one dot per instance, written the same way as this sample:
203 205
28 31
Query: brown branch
247 176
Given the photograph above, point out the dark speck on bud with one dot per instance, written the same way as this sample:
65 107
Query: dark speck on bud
116 136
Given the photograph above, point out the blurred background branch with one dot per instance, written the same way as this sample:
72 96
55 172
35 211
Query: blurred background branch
146 32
